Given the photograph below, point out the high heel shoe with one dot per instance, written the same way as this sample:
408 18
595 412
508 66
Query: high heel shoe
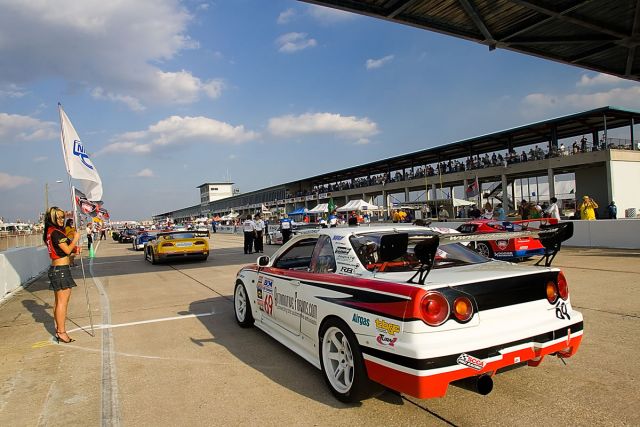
59 340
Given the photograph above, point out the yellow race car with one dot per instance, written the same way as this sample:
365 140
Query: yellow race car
176 245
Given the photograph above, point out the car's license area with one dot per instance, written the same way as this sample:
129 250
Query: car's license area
183 244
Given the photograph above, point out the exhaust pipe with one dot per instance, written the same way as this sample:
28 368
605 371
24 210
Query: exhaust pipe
482 384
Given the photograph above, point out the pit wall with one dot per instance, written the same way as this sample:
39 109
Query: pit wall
19 265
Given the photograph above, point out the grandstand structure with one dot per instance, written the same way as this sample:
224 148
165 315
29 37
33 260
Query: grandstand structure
604 168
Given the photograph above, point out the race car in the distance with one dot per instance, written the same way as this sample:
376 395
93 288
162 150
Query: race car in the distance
508 248
176 245
142 238
408 308
274 237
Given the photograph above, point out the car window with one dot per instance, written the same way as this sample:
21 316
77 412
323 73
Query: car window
298 256
366 247
323 259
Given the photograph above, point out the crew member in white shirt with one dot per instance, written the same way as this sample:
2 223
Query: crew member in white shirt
259 226
249 228
553 210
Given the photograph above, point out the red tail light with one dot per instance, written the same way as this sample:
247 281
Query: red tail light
165 245
435 308
563 286
462 309
552 292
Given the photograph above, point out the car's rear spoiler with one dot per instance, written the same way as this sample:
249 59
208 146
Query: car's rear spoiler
393 245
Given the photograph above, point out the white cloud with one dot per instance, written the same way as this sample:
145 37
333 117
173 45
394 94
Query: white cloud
293 42
286 16
544 105
377 63
12 91
145 173
118 48
599 79
322 123
14 127
176 130
328 15
8 182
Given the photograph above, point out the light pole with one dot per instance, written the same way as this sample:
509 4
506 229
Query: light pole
46 194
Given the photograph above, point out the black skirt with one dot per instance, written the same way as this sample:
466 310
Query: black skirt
60 278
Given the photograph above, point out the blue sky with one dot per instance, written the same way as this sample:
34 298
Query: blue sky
166 95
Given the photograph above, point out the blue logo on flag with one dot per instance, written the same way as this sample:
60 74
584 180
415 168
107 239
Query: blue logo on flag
78 150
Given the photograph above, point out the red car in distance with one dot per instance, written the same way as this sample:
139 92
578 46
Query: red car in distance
512 249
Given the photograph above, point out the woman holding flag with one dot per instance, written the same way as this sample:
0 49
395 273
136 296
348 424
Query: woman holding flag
60 248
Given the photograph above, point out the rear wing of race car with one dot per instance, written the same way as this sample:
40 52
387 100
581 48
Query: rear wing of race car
550 235
395 245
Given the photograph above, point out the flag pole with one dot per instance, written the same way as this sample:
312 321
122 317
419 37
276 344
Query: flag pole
75 218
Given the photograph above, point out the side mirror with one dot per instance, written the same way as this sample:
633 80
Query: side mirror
263 261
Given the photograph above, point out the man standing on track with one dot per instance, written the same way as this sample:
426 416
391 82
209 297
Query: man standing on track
249 228
285 229
259 226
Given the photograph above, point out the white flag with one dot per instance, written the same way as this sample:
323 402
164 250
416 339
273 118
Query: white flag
79 166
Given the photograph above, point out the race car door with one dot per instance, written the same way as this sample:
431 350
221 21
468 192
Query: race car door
286 287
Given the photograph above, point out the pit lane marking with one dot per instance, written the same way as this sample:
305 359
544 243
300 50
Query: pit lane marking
142 322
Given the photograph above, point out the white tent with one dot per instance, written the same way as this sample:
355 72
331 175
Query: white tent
321 208
358 205
460 202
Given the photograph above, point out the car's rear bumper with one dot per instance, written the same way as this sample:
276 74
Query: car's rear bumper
185 254
428 378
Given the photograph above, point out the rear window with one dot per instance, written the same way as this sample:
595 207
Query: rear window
366 247
179 236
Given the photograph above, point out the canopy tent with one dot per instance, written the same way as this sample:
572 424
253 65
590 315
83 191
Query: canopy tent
320 209
358 205
460 202
230 216
299 211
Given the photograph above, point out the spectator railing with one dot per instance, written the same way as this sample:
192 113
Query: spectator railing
20 240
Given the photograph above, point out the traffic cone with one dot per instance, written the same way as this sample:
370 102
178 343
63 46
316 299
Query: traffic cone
91 253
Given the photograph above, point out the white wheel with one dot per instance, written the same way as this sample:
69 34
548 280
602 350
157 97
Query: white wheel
342 363
242 306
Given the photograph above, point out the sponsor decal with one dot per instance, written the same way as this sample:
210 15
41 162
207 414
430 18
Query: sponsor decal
338 237
505 254
386 341
384 326
346 270
360 320
561 311
342 250
78 150
259 287
294 306
267 286
470 361
502 244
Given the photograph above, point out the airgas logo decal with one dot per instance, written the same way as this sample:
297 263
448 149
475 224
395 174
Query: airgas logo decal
360 320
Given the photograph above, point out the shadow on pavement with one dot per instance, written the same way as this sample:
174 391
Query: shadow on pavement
259 351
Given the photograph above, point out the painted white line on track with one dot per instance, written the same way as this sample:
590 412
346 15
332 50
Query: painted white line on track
143 322
115 262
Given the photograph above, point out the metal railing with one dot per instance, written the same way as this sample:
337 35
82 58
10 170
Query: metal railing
20 240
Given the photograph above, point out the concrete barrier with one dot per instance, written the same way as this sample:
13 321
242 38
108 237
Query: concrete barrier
18 266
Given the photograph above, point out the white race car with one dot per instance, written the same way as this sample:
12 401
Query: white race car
408 308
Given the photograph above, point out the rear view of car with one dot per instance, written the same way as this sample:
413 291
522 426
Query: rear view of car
177 245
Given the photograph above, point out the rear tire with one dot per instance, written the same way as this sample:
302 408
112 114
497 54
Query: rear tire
152 257
342 363
242 306
484 249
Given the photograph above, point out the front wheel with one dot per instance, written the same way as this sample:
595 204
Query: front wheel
342 363
242 307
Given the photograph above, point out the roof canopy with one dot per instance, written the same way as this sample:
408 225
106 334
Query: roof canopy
358 205
299 211
597 35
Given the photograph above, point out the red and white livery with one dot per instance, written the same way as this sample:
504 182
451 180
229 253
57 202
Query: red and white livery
406 308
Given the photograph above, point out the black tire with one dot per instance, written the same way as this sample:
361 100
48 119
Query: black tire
242 306
355 384
483 248
152 257
204 258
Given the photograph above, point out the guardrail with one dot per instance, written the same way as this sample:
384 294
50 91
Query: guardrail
10 241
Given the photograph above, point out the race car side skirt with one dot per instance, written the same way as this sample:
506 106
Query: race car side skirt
484 353
435 385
